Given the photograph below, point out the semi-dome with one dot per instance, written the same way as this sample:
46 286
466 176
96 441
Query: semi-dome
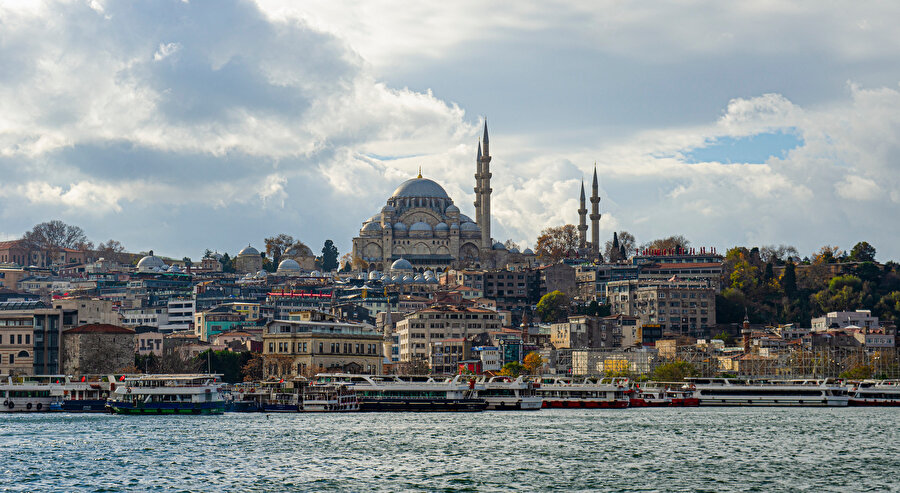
469 226
452 208
399 226
150 263
420 187
388 208
454 226
465 219
372 228
289 265
401 264
249 250
420 226
442 226
261 273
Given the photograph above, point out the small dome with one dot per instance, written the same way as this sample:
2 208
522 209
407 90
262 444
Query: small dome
372 228
454 227
407 278
441 227
429 273
174 268
150 263
385 278
513 250
401 264
452 209
419 278
375 219
299 251
528 251
420 226
432 280
374 275
289 265
469 226
498 246
315 273
249 250
399 226
396 278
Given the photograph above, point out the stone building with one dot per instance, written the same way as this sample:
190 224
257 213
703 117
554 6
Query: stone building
248 261
313 341
97 349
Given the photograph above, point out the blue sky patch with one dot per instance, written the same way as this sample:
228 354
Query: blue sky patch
751 149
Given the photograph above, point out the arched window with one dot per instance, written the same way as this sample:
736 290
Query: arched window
23 354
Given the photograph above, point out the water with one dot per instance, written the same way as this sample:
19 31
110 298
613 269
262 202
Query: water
700 449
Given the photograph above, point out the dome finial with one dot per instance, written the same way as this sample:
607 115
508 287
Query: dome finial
420 172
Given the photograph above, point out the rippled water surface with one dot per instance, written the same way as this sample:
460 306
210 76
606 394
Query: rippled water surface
705 449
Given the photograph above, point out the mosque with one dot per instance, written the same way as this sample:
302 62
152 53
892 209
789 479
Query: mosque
421 225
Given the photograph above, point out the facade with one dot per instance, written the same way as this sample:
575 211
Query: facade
223 318
558 277
315 341
148 340
840 320
248 261
418 330
583 331
682 307
446 355
16 332
97 349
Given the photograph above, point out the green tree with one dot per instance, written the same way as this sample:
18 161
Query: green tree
227 263
789 279
553 306
675 371
727 338
226 363
862 252
513 369
888 307
858 372
329 256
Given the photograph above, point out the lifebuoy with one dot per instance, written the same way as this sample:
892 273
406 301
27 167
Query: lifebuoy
5 403
11 404
39 406
28 406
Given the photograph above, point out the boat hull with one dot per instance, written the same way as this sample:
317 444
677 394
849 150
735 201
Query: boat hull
527 404
79 406
584 404
281 408
874 402
773 402
439 405
168 408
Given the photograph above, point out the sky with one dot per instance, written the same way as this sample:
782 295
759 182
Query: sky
177 126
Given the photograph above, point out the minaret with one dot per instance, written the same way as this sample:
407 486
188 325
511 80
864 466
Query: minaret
595 215
478 185
484 220
582 221
388 331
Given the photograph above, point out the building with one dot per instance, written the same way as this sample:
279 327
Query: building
584 331
16 332
447 354
490 357
97 349
223 318
248 261
684 307
148 340
314 341
840 320
558 277
419 329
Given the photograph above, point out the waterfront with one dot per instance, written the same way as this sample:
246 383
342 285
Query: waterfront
753 449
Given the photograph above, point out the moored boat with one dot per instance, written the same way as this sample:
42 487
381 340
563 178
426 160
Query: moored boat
168 394
565 392
81 394
330 397
27 394
737 392
394 393
507 393
658 394
875 393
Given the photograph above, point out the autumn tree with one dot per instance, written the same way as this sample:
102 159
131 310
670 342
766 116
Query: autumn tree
510 244
532 362
52 237
828 255
553 306
557 243
622 241
277 245
329 256
512 369
112 250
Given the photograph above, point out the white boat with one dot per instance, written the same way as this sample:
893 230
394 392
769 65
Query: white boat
330 397
875 393
737 392
507 393
81 394
566 392
394 393
28 394
168 394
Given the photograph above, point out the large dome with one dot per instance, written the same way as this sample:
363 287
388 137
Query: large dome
151 263
420 187
249 250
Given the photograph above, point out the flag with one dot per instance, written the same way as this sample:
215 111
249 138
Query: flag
122 378
281 381
83 378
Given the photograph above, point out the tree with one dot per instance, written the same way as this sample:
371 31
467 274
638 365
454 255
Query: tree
112 250
789 279
277 245
252 371
227 263
675 371
625 240
52 237
553 306
227 363
676 242
532 362
329 256
725 337
859 372
509 245
187 262
862 252
828 255
557 243
778 255
512 369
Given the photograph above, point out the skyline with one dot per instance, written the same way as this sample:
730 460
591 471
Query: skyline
177 127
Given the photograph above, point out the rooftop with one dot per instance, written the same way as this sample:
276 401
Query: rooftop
98 329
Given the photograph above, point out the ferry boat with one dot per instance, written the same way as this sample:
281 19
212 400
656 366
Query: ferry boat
654 394
27 394
875 393
168 394
737 392
506 393
393 393
244 398
565 392
81 395
281 398
330 397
